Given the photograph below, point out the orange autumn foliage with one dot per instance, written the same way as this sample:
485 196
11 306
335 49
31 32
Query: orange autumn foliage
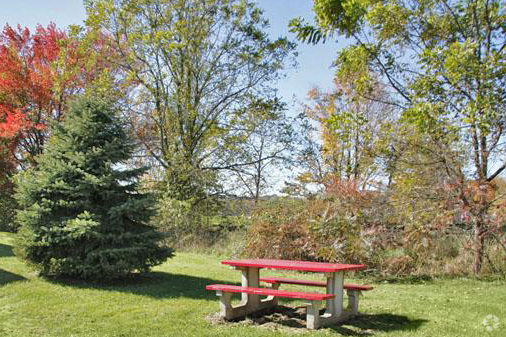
26 81
39 71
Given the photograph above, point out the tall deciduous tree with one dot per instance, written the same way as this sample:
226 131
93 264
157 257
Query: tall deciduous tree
81 214
444 63
196 63
268 141
350 129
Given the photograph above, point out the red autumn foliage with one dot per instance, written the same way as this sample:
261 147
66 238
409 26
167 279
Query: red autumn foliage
38 73
26 85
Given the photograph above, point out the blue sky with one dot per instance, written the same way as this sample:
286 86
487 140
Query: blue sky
313 61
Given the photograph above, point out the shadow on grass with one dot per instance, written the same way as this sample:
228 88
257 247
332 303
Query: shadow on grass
8 277
5 250
370 324
363 325
155 284
407 279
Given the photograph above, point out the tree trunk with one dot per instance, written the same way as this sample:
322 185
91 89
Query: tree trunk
479 246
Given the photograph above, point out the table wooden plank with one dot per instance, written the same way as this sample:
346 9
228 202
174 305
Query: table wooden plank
294 265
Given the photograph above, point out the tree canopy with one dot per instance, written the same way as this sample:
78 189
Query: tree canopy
198 66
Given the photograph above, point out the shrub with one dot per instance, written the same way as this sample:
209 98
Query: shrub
280 230
81 215
350 226
327 228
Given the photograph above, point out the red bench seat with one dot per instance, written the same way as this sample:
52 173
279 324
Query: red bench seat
269 292
279 280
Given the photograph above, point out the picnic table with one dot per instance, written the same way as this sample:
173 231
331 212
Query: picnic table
251 292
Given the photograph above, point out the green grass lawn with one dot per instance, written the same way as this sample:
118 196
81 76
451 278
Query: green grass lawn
172 301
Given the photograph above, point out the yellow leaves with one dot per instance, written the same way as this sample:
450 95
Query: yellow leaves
305 177
97 12
75 31
353 64
461 61
389 20
343 15
349 127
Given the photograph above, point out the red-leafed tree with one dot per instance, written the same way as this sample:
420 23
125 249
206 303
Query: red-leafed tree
38 73
27 102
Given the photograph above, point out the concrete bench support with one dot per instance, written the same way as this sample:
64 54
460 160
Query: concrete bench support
226 309
353 297
334 306
229 312
313 314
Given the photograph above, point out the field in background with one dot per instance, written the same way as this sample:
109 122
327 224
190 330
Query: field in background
172 301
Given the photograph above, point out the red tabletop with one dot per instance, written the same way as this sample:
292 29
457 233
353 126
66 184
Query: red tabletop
294 265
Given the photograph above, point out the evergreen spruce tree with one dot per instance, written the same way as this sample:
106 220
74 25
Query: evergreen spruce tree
81 215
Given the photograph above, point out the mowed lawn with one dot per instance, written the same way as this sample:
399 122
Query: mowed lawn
172 301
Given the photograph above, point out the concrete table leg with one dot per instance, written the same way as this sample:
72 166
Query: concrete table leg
339 291
226 310
250 276
335 284
329 304
334 312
